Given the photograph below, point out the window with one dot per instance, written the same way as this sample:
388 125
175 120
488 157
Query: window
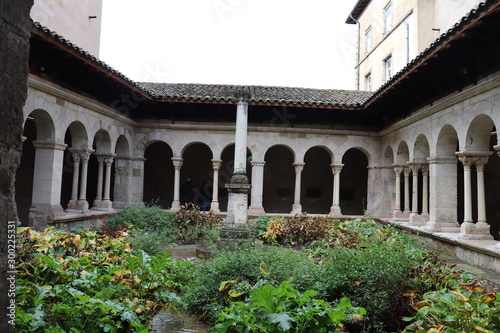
368 40
387 18
368 82
388 68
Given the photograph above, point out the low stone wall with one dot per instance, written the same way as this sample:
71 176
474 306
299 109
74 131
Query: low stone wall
476 253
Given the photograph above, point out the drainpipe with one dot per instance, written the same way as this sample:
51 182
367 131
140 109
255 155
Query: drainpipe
357 51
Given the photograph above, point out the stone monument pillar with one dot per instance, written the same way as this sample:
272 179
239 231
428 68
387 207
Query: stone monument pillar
239 187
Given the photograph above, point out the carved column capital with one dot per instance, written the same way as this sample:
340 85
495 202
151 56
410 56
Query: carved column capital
336 168
177 161
85 154
216 164
298 167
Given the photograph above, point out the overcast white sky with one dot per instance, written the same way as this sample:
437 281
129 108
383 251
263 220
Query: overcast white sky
293 43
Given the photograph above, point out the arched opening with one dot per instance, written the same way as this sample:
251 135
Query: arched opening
75 137
158 175
420 155
121 173
197 166
354 182
102 147
317 182
279 180
25 172
402 158
226 171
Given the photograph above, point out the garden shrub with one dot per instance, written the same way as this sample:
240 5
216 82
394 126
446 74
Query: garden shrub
193 225
300 229
244 265
144 219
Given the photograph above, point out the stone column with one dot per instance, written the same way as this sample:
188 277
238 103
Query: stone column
122 190
415 218
176 203
98 199
107 204
397 203
137 185
47 179
425 193
238 188
82 204
406 173
469 230
443 194
75 153
214 206
297 207
335 209
256 208
482 227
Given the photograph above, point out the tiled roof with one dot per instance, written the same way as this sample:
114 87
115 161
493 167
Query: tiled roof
227 93
257 94
84 53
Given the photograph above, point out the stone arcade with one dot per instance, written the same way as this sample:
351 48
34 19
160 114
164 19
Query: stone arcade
421 150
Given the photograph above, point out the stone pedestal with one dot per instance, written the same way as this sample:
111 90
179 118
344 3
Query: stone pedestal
237 207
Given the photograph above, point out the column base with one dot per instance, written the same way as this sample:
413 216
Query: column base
335 211
399 215
237 206
41 215
105 206
441 226
214 207
77 206
418 220
256 211
296 209
176 206
478 231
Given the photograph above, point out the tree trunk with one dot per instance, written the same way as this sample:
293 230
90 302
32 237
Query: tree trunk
15 27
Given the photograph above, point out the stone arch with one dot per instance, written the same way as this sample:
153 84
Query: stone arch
122 147
388 158
354 182
102 142
279 179
447 141
45 128
317 181
78 135
403 153
158 184
421 149
479 134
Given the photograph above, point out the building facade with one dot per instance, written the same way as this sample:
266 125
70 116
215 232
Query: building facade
420 149
392 33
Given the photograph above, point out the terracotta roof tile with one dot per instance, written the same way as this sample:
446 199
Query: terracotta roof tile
258 94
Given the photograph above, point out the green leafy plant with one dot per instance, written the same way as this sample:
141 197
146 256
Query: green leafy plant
193 225
467 308
284 309
75 282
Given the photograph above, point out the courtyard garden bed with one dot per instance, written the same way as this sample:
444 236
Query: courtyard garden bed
313 275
